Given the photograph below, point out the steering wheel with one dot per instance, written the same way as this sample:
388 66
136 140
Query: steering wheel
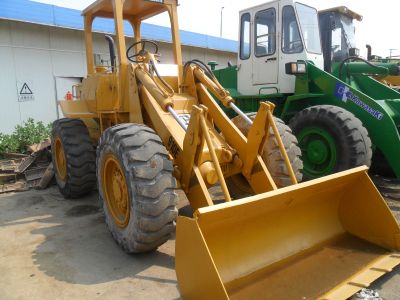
143 51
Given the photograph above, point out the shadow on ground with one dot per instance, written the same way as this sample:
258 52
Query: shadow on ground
77 247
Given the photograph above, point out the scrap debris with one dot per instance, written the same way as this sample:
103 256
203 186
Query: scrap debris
20 172
389 188
366 294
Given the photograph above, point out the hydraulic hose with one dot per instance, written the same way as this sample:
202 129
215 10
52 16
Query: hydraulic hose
170 90
202 66
355 58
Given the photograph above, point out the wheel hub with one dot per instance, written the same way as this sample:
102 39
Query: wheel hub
115 190
60 161
319 152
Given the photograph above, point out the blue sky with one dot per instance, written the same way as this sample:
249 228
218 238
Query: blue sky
378 27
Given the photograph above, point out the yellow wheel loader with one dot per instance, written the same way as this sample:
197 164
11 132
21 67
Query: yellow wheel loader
157 128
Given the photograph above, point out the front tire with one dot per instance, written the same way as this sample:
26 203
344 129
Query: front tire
136 187
74 158
271 156
331 139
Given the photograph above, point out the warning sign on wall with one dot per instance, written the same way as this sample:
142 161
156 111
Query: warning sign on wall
25 91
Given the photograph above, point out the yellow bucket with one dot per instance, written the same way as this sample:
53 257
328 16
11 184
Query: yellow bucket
323 239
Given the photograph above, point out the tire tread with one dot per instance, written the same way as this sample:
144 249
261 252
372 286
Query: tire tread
356 146
152 187
80 156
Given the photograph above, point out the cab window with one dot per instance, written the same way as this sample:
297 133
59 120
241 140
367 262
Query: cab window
245 45
308 19
265 30
291 38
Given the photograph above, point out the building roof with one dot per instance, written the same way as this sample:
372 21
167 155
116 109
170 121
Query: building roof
51 15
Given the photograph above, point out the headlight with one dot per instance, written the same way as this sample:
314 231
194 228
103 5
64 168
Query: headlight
294 68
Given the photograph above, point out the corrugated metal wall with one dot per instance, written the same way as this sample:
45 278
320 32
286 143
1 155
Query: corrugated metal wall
37 55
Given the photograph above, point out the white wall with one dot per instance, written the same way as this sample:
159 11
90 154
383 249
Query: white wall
38 54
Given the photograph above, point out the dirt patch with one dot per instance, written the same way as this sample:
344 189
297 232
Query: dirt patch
26 202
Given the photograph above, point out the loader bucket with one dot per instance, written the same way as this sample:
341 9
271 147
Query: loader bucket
323 239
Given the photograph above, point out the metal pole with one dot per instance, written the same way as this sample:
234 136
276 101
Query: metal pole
176 117
220 32
240 113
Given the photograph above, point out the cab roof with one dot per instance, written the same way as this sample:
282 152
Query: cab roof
142 9
345 11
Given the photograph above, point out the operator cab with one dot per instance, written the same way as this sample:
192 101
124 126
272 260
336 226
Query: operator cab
338 35
114 73
133 12
272 35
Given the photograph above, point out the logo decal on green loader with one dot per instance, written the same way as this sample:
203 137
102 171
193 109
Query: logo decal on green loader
343 93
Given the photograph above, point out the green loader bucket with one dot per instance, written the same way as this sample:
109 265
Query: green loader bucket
323 239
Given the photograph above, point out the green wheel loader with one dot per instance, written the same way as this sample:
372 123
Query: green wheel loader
309 69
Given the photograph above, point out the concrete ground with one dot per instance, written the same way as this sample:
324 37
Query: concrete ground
52 248
389 286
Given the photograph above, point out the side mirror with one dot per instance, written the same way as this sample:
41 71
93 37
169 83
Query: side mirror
354 52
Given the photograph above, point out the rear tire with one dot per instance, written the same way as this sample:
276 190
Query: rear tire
271 156
74 158
331 139
144 218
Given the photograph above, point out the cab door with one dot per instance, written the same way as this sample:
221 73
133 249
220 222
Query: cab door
265 45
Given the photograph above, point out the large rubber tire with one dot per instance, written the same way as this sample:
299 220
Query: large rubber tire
271 156
151 187
332 139
80 158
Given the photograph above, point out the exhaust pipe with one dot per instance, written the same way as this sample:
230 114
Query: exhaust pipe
111 45
369 52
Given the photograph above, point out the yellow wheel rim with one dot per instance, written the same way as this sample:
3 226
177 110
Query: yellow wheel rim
115 190
61 162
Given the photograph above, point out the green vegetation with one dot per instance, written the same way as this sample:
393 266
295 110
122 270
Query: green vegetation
30 132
